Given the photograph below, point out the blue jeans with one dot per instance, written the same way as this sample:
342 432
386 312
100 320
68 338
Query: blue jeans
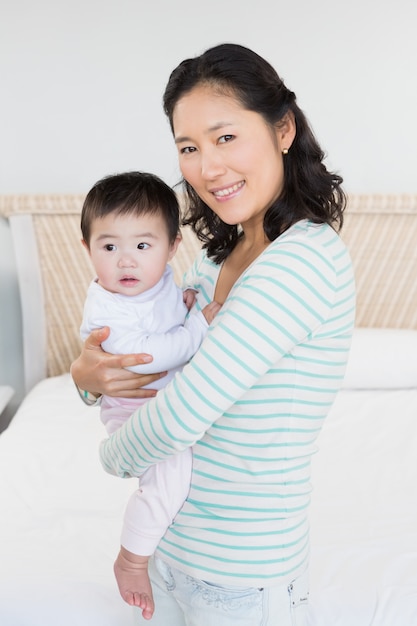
182 600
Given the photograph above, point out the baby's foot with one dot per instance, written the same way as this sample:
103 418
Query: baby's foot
131 571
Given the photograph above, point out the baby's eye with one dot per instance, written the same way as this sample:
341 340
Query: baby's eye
226 138
110 247
143 246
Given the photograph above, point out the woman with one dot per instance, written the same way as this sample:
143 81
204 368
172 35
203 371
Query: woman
253 399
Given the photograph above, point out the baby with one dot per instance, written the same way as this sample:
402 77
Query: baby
130 229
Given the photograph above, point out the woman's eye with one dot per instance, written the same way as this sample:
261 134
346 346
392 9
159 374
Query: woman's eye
187 150
110 247
225 138
143 246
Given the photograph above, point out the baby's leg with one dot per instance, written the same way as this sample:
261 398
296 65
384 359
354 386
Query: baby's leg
150 510
131 571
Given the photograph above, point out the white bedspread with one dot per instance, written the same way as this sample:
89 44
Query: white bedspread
364 512
61 514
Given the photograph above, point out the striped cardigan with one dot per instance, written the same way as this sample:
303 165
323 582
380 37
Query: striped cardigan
251 404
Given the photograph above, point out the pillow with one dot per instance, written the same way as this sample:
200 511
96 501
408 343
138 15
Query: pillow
382 358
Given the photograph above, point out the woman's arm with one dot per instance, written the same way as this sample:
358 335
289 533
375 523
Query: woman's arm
280 302
102 373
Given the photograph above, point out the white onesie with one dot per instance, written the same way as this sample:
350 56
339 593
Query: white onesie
155 322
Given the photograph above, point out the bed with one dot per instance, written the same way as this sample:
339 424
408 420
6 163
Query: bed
61 513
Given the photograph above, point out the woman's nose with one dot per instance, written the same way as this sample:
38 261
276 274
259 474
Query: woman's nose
212 165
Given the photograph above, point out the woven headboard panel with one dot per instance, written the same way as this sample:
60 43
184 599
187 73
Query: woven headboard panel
53 221
381 232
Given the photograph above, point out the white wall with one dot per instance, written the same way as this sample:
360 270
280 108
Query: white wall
82 81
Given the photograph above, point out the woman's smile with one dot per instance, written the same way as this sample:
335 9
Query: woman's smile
226 192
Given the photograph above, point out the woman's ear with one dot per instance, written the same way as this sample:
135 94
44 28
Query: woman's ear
286 131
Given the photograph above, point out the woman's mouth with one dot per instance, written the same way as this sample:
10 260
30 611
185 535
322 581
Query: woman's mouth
228 191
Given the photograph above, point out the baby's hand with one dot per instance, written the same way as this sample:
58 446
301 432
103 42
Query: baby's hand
189 298
210 311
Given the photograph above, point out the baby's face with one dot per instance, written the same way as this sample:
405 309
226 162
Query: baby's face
130 253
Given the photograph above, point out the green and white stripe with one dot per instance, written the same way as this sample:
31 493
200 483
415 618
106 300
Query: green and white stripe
251 403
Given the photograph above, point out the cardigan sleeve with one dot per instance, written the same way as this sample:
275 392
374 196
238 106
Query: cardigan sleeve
276 304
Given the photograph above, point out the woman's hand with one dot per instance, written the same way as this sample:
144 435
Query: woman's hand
102 373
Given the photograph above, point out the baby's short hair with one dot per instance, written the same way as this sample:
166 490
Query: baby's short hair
131 193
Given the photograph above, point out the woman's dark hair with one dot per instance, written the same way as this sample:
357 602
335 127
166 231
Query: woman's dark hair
136 193
310 190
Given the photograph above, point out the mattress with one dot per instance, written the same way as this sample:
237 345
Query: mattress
61 514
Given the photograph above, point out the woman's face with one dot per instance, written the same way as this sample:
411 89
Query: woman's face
229 155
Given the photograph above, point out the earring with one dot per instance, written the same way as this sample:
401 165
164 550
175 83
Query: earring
285 151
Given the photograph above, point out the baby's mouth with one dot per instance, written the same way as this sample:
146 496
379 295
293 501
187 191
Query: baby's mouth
126 280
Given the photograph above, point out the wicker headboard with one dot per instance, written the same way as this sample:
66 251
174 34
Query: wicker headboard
381 233
54 270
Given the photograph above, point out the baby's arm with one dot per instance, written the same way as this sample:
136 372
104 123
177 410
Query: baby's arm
170 348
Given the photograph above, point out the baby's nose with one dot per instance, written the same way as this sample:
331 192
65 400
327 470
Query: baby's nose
127 260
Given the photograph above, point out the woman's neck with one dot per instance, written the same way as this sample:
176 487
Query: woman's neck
251 244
